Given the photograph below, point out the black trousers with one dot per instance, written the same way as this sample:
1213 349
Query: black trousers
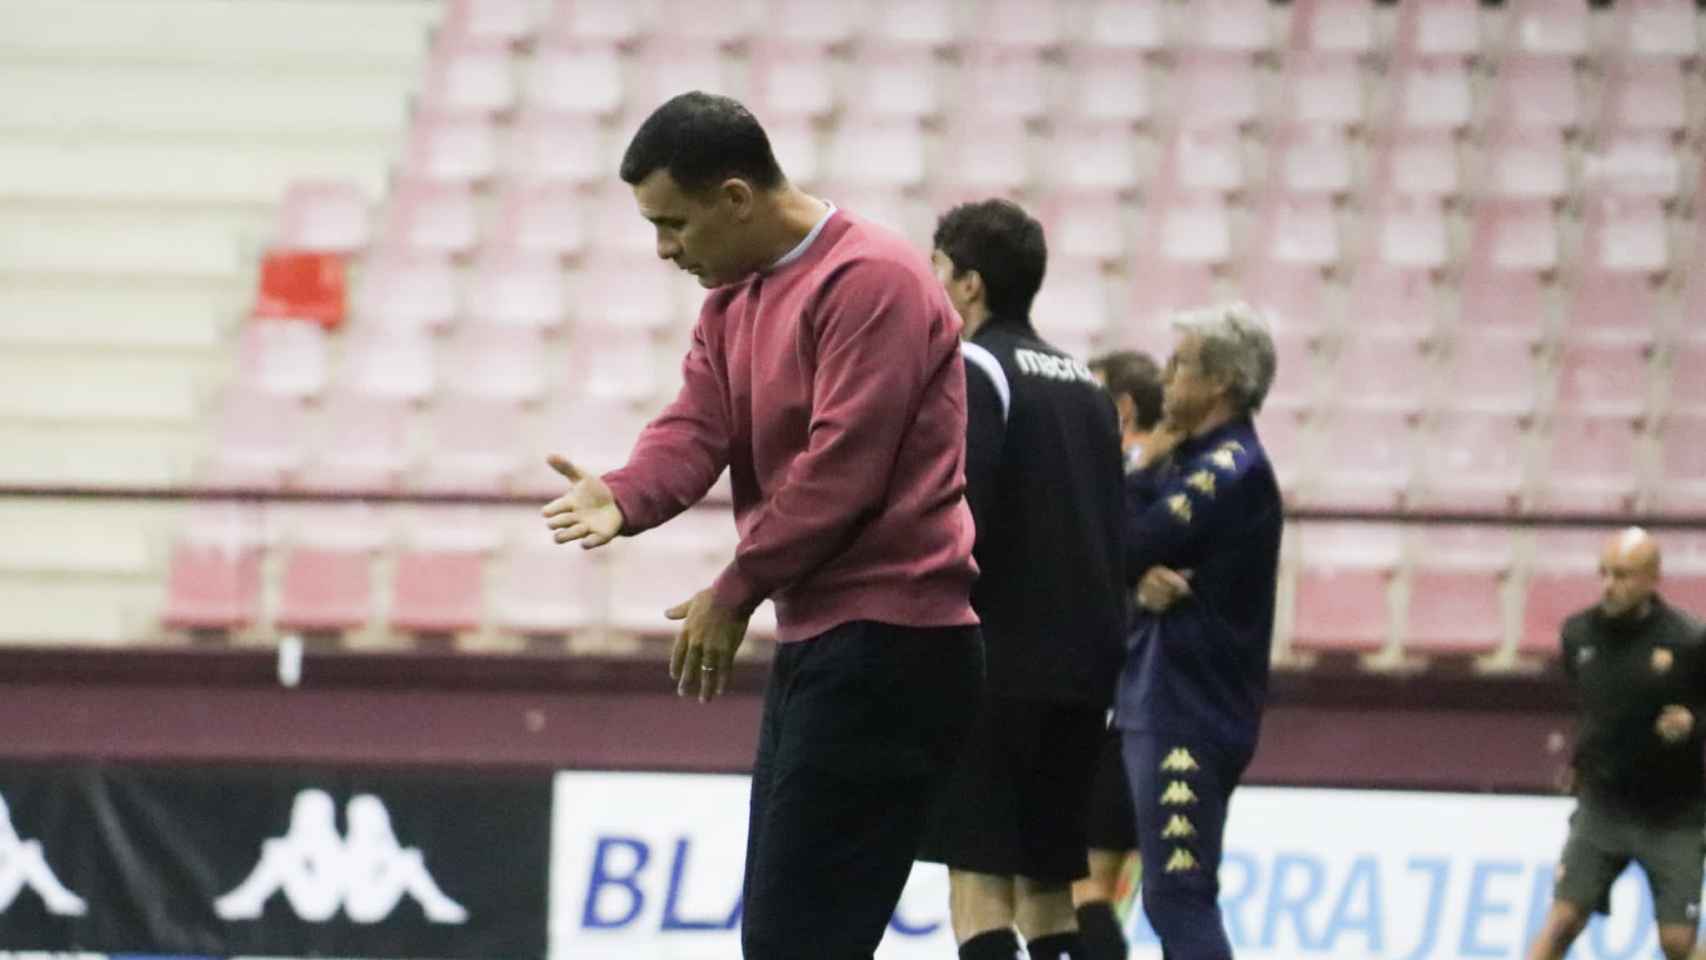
861 726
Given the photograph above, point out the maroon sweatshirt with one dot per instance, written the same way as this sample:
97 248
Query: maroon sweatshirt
832 389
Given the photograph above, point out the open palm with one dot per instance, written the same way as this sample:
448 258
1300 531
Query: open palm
588 512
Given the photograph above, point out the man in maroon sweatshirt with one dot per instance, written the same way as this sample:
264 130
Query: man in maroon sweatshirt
825 375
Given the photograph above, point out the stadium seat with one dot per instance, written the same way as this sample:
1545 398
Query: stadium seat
1472 460
671 62
1687 387
324 216
437 591
1310 159
626 293
1342 588
1202 159
1535 93
596 432
432 218
1190 228
545 590
1634 163
1002 81
1298 229
1645 95
987 154
1214 89
496 362
1439 28
1333 26
809 22
1680 485
1416 162
407 291
1656 29
1592 465
1293 389
1539 27
647 581
1283 433
548 148
1408 231
1366 461
1433 94
898 82
1384 368
391 364
470 79
1126 25
1108 85
1563 580
1492 370
1686 590
1395 297
516 290
541 220
1291 295
212 587
1500 302
285 357
363 444
495 22
1161 287
325 589
1228 26
262 440
1072 306
1321 88
1083 224
1616 303
476 446
684 21
1603 376
577 77
1104 157
1515 235
790 79
1625 234
877 152
1525 164
1456 600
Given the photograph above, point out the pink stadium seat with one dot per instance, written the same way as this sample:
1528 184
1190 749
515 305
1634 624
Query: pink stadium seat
1333 26
1292 391
1439 28
547 590
325 589
1456 604
1292 295
870 151
1592 464
1408 231
1681 485
328 216
1083 224
471 79
1282 432
1108 85
262 440
671 63
1384 369
603 23
1311 159
432 218
1656 29
475 446
1072 305
541 220
1625 234
1215 90
1472 460
212 586
1228 26
1433 94
1608 302
1547 28
1536 92
1192 228
626 293
1515 235
1205 159
1024 24
496 362
1322 88
438 591
791 79
1297 229
1633 163
363 444
451 149
988 154
1418 162
392 364
1394 297
1367 461
1687 386
486 22
1105 156
283 357
1000 81
684 21
1342 585
410 292
1161 287
1126 24
577 77
1603 376
516 290
1492 370
1506 303
549 148
794 140
896 81
615 225
645 582
1645 95
1563 581
596 433
612 364
1525 164
810 22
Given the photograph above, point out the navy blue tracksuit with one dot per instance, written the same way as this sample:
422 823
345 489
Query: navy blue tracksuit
1190 696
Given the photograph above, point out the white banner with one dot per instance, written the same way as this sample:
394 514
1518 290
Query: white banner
650 865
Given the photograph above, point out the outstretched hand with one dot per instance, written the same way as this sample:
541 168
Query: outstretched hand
588 512
704 653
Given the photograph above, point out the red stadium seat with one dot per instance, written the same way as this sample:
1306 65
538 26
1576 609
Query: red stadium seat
1547 28
1367 461
325 589
1455 608
1311 159
1439 28
1433 94
323 216
363 445
1472 460
1333 26
1525 164
1418 162
1603 376
1681 481
1645 95
470 79
513 289
1322 88
547 590
1686 590
1554 594
1656 29
1342 588
1536 93
437 591
1592 465
301 285
211 586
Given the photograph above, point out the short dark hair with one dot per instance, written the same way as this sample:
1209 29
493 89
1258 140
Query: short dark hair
702 139
1129 373
1004 244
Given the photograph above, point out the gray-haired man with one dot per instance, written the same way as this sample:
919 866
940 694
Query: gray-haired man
1202 548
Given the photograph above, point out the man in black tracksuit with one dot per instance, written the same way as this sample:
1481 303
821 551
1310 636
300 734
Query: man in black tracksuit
1639 669
1044 480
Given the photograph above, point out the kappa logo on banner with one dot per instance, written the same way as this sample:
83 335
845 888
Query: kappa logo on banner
364 872
23 865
